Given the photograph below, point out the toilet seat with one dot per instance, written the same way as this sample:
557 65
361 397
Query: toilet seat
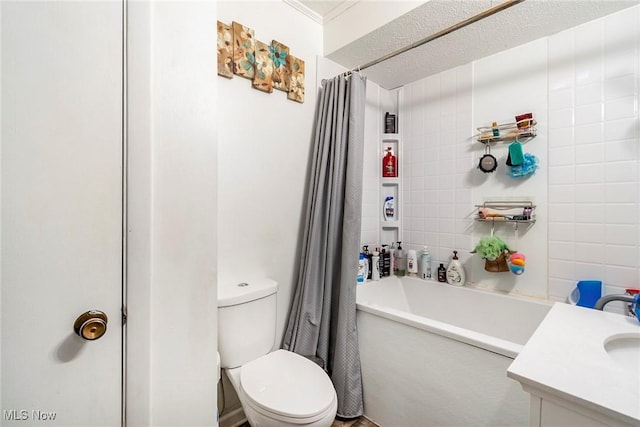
287 387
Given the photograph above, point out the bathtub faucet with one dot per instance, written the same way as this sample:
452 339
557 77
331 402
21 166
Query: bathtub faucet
614 297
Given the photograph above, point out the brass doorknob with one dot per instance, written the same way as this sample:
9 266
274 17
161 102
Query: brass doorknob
91 325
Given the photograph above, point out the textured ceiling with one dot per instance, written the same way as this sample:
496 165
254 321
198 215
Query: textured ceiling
519 24
322 8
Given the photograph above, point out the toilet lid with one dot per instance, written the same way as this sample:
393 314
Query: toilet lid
287 384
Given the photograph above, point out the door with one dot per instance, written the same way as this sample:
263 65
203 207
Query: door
61 200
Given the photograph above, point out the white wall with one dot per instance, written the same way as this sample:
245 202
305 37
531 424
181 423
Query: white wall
264 147
437 165
518 85
582 87
594 184
172 218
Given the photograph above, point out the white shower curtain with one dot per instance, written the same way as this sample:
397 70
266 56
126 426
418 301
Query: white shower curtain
322 320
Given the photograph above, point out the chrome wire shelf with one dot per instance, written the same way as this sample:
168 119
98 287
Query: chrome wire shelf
526 217
523 129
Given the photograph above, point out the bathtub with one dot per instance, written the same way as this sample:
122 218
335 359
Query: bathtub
436 355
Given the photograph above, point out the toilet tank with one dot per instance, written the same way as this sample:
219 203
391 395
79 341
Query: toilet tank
246 321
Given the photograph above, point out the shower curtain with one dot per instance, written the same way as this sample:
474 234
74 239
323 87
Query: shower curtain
322 320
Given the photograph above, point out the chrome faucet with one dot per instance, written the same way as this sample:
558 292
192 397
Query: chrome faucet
614 297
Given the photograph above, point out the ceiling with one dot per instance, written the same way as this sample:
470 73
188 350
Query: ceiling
324 11
323 8
519 24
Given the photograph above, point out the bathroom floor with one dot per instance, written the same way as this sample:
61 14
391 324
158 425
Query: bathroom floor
358 422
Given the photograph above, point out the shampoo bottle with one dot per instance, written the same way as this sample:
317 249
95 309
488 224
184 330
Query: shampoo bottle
367 257
412 262
425 264
389 165
442 273
455 272
389 213
361 272
386 261
375 273
392 252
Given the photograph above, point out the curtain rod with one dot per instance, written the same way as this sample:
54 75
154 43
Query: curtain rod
475 18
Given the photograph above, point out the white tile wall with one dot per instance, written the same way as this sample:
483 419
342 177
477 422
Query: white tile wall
588 187
437 198
605 180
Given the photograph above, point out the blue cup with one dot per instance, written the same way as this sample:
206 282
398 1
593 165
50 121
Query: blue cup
589 292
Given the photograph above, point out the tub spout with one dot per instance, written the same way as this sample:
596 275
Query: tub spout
608 298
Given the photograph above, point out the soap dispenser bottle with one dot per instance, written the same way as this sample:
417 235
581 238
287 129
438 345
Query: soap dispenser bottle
455 272
398 269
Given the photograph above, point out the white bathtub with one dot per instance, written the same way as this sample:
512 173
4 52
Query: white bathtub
436 355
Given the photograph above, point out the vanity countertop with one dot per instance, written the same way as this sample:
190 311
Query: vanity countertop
567 357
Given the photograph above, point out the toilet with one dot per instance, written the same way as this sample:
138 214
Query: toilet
276 388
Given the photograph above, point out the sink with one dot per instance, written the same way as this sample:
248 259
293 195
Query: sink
586 360
624 349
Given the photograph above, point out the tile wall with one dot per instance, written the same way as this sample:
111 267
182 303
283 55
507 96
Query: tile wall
594 181
582 85
436 136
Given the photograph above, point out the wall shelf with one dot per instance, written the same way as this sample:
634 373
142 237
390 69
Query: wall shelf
389 229
506 212
520 130
390 181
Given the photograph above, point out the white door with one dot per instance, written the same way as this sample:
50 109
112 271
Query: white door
61 200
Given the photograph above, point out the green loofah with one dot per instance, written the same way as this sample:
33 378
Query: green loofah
491 247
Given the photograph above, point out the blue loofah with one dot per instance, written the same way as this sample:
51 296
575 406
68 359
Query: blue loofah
527 168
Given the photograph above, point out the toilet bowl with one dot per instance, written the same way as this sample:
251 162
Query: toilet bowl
276 388
284 389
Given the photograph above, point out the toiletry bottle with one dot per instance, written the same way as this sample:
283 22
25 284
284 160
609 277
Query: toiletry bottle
367 257
455 272
361 273
399 266
495 129
386 261
425 264
389 213
380 261
389 165
392 252
442 273
375 274
412 263
389 123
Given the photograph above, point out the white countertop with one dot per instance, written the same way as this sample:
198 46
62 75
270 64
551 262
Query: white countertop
566 357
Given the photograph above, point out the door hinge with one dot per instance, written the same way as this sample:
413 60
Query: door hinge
124 315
